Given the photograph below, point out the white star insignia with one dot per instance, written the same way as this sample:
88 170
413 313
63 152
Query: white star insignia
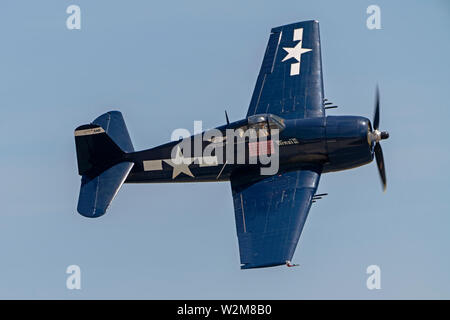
295 52
180 164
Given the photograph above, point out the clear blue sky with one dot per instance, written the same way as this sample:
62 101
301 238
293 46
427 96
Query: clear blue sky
166 64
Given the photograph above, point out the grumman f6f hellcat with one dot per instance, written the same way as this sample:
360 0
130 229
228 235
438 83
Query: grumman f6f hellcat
273 158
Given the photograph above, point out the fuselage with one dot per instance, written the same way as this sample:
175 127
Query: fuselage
330 143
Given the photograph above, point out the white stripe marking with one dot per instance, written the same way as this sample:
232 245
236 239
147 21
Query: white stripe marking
152 165
207 161
298 34
295 69
87 132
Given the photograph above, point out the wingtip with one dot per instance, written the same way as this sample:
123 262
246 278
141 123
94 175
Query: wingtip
290 265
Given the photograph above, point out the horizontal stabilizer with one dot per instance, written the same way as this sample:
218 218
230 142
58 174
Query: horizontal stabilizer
97 193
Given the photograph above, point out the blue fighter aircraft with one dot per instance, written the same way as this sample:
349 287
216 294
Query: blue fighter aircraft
287 115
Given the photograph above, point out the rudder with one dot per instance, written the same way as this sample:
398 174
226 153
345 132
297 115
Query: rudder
96 151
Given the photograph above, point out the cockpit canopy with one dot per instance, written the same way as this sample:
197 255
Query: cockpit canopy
261 122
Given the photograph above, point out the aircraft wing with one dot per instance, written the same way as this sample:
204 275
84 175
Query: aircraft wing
270 215
290 81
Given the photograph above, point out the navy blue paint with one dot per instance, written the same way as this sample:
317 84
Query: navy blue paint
100 184
97 193
270 216
270 211
278 92
347 142
116 129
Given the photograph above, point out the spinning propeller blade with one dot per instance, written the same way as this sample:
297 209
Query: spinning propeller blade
380 164
376 116
377 136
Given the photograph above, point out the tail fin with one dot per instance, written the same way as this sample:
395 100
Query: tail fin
101 147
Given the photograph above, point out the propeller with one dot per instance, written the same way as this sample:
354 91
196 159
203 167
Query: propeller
376 136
